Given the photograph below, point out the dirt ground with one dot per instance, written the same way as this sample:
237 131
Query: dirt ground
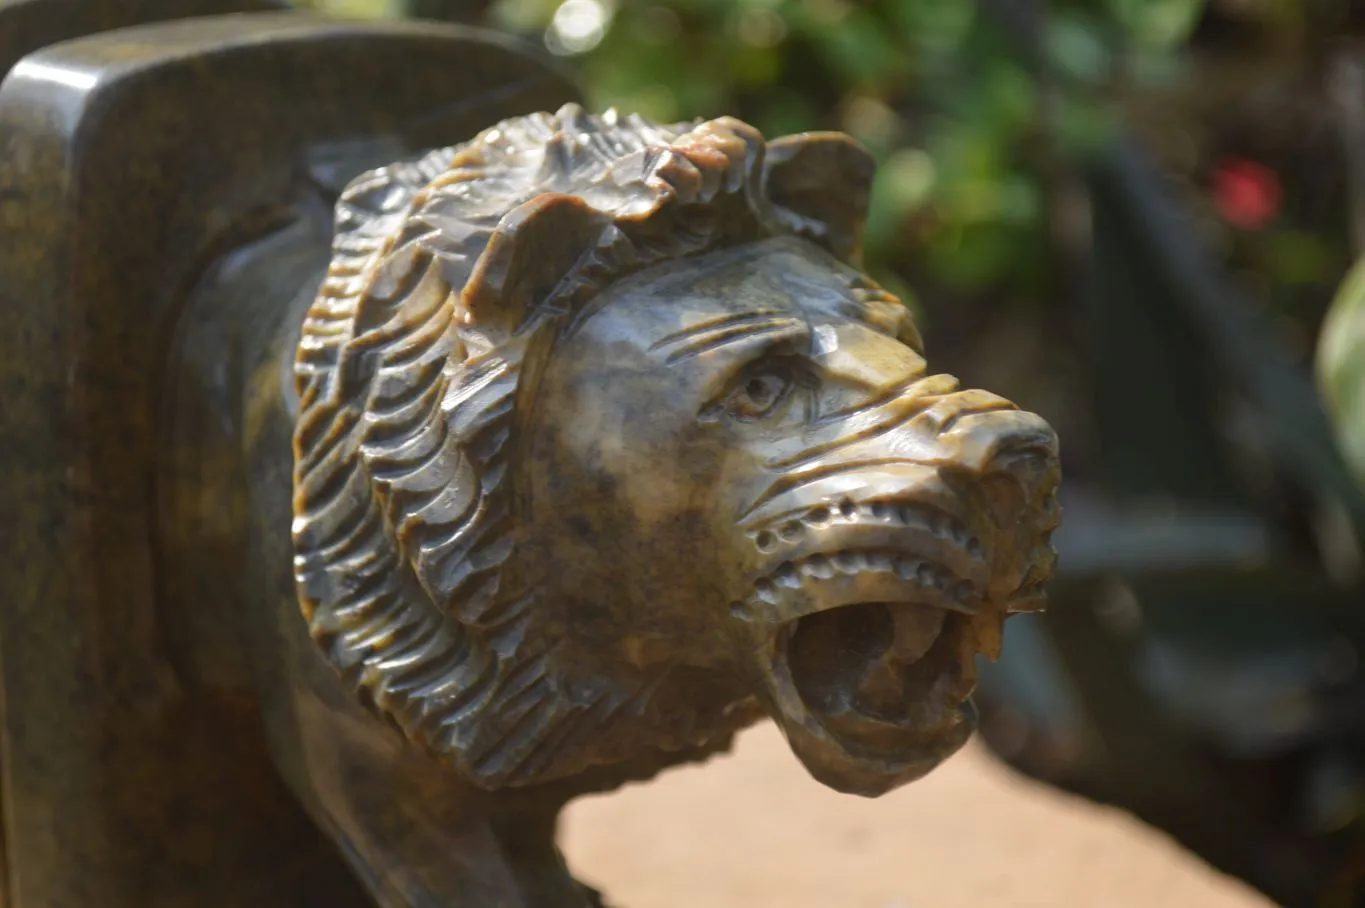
751 830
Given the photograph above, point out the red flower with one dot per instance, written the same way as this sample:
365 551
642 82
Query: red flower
1247 194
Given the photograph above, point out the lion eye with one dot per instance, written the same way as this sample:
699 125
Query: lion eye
759 395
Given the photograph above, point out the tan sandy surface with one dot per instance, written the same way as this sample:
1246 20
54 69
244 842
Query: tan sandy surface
751 830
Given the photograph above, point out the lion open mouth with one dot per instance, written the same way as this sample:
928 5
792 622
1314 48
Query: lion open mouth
871 664
880 652
872 655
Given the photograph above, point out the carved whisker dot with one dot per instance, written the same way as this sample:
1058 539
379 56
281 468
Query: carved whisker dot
765 541
787 575
847 509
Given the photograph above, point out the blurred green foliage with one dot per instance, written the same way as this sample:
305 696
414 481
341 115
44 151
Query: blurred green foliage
978 111
970 107
1341 368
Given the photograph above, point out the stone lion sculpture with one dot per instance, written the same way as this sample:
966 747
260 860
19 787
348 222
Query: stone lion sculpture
606 449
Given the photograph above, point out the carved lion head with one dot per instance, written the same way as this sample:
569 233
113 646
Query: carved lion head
606 447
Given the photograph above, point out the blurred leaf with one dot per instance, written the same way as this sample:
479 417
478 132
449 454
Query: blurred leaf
872 122
934 24
1156 69
1341 367
1011 95
977 255
1158 23
523 15
358 9
858 47
1297 257
757 67
904 183
1077 48
786 111
1082 127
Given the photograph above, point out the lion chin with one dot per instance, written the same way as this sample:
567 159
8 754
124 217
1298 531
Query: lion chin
606 444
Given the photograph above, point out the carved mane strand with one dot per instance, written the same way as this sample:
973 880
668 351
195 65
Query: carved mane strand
409 368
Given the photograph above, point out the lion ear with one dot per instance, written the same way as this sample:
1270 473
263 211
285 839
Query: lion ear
821 184
533 248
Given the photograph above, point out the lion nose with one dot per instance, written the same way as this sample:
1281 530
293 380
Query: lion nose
1033 463
1015 443
1006 462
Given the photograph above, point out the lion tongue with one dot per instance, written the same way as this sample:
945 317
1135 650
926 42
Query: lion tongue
917 627
881 690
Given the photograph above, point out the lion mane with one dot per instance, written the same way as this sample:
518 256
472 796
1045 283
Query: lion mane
450 279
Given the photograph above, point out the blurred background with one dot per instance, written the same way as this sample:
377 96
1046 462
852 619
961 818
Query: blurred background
1138 218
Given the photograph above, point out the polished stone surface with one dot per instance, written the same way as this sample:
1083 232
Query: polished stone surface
590 446
30 25
136 770
604 447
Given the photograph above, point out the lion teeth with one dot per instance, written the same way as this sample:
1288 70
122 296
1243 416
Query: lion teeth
938 523
878 561
818 566
848 562
925 574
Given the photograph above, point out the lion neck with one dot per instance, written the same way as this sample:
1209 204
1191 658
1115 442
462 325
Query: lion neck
422 836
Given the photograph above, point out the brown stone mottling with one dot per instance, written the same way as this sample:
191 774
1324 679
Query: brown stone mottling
605 448
582 445
135 771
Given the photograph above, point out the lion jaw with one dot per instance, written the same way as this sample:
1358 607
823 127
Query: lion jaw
874 604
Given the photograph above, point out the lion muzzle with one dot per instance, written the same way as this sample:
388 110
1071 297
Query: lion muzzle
884 576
